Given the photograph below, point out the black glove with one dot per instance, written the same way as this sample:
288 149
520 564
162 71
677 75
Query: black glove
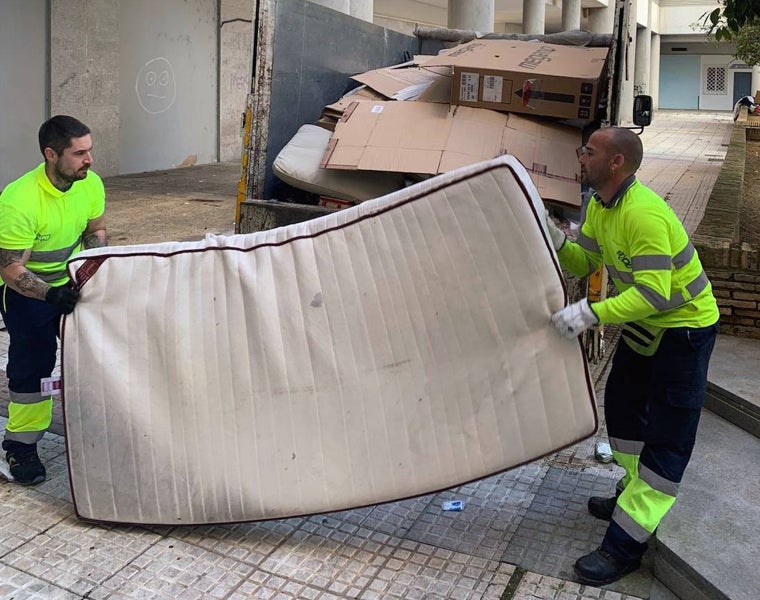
64 297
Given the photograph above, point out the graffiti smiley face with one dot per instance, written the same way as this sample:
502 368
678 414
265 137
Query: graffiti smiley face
155 86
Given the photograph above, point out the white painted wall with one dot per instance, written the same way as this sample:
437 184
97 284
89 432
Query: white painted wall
674 20
403 15
716 101
343 6
642 13
361 9
654 17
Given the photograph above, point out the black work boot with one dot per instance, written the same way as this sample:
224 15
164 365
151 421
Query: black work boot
600 568
24 463
601 507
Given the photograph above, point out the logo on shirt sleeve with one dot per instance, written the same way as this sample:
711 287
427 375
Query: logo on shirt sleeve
624 259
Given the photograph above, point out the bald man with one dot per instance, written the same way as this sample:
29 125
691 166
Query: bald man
657 382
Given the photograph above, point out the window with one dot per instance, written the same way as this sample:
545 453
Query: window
716 79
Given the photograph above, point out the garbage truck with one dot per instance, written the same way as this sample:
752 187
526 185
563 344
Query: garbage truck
308 60
304 56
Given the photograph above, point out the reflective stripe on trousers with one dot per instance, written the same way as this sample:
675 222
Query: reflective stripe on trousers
29 416
645 499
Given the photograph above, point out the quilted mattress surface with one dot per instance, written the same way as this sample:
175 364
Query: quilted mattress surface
391 349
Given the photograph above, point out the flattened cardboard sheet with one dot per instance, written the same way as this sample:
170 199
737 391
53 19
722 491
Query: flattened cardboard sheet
419 137
410 82
297 164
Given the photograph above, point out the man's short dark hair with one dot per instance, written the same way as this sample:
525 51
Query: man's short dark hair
57 132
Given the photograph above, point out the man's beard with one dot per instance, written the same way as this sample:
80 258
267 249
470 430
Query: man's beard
70 178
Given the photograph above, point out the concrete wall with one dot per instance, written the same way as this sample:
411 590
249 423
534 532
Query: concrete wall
168 92
235 53
23 84
198 51
84 72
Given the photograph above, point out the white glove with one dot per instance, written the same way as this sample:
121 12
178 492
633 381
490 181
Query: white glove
574 319
557 235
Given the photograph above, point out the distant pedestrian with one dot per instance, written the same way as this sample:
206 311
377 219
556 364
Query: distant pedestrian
46 216
658 379
747 101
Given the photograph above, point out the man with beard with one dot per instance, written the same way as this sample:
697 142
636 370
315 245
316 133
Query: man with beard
657 383
46 216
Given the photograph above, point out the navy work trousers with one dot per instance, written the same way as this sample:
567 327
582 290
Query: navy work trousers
33 327
657 400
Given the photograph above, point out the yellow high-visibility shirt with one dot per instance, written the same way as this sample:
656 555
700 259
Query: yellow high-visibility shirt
650 260
35 214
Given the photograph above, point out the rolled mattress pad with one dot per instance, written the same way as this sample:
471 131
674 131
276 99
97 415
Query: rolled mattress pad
388 350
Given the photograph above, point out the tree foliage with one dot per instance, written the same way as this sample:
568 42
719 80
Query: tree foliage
748 43
727 20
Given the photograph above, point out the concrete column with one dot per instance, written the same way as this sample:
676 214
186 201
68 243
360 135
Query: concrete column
755 80
654 78
534 17
571 14
629 68
602 20
643 58
363 9
473 15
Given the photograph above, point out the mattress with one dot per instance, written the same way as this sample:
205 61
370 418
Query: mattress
388 350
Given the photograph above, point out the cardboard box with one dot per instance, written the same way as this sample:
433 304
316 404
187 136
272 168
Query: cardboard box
526 77
428 138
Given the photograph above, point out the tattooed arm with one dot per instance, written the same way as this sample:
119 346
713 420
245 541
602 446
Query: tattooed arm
16 276
95 234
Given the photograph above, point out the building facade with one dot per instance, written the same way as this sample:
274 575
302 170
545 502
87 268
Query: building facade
164 84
